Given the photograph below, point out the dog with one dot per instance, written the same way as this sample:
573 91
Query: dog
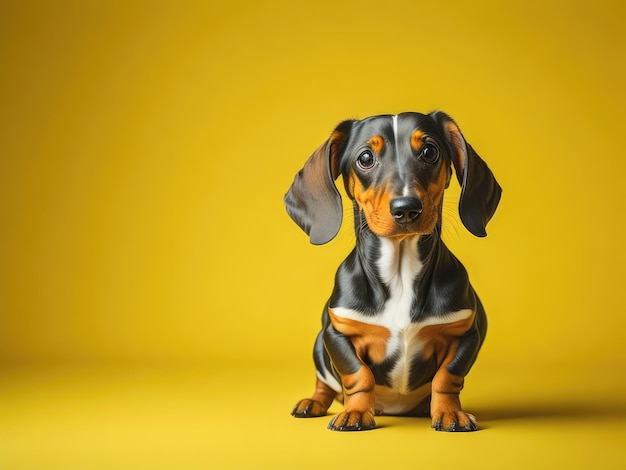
403 325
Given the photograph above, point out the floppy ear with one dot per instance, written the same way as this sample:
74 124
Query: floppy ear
480 192
313 201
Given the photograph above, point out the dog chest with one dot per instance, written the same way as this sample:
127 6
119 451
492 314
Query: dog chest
383 341
402 352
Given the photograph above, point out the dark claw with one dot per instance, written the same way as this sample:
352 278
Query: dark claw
454 425
471 426
438 425
300 414
335 425
308 409
331 425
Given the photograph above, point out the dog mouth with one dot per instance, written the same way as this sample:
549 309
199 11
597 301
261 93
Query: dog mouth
391 225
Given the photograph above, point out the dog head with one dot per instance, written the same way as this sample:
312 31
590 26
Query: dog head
395 168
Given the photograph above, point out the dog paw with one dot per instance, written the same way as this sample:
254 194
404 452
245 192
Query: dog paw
308 408
454 421
353 421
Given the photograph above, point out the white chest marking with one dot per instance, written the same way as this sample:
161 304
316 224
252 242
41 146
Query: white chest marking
399 265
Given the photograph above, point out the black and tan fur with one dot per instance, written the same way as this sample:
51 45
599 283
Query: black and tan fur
403 325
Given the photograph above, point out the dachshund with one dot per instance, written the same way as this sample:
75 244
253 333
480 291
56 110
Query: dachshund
403 325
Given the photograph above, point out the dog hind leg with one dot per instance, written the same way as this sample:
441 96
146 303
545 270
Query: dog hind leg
318 404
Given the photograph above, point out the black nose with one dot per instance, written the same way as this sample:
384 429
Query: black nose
405 210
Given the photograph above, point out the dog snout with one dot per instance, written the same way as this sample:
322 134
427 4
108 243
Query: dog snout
405 210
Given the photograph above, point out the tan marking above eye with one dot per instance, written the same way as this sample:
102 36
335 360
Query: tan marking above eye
416 140
376 143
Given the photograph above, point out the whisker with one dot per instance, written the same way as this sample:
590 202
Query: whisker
450 222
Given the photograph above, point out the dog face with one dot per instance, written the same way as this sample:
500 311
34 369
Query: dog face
395 168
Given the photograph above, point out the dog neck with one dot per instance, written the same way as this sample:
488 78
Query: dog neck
380 272
396 261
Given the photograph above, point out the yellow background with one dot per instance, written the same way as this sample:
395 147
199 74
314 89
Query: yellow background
157 305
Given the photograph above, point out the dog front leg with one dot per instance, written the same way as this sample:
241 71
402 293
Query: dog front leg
357 382
445 404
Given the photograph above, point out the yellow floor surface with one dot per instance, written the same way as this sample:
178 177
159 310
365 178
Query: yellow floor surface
174 417
145 148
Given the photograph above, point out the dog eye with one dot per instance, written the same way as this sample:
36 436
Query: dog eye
429 154
366 160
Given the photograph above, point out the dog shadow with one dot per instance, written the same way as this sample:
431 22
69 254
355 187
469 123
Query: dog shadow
489 416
